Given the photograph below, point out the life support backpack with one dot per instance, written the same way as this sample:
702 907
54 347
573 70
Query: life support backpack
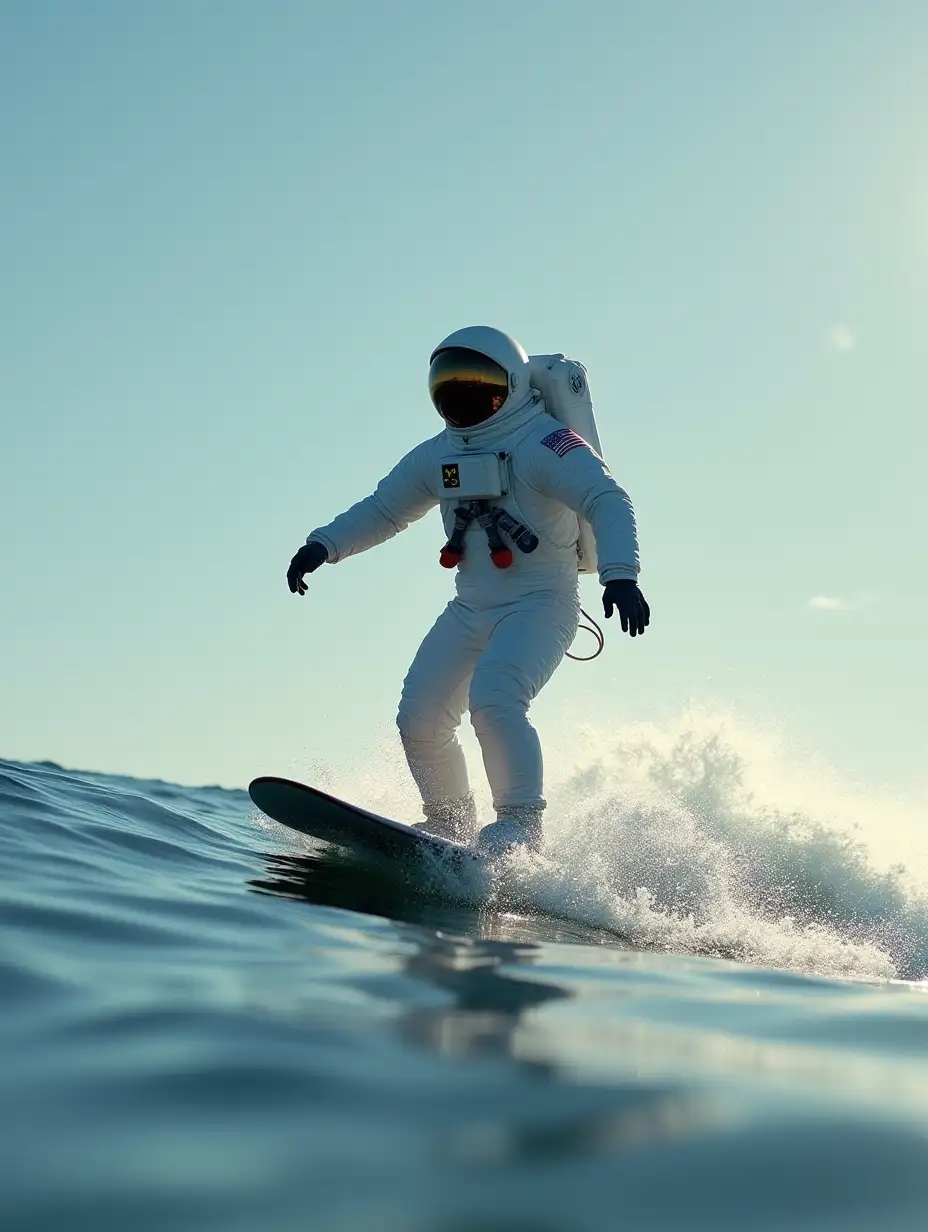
563 384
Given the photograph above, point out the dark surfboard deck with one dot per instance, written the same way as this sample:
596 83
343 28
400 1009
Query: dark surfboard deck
325 817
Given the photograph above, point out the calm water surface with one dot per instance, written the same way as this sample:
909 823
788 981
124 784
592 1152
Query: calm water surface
208 1024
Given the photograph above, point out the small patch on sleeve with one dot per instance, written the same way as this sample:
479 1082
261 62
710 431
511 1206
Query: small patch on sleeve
563 441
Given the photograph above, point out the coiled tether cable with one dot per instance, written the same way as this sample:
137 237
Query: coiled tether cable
597 632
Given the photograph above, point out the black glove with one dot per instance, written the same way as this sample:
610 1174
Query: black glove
630 603
307 560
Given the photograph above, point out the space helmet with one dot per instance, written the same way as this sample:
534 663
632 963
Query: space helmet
475 373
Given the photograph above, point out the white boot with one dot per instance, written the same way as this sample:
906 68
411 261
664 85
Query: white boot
455 820
517 825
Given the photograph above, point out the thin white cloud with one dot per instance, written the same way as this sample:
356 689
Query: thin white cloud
842 603
829 603
841 338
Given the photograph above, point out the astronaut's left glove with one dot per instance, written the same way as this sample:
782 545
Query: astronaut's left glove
625 598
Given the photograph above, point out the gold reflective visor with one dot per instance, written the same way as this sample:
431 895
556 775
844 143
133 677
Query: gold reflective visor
466 387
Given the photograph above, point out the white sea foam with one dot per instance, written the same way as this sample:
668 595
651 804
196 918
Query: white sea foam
704 837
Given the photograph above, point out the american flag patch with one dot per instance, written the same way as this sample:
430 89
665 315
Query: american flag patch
563 441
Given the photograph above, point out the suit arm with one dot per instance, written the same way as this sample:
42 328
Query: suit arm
401 497
581 480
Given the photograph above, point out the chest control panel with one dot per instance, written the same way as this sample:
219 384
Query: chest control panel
474 476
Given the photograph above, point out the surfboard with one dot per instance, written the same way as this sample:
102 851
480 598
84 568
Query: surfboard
325 817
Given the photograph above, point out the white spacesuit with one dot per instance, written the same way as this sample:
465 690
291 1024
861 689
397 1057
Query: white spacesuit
502 463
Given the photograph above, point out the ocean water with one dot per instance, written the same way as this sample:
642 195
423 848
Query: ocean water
705 1008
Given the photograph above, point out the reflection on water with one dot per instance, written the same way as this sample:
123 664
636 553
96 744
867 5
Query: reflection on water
487 1001
331 878
481 963
471 956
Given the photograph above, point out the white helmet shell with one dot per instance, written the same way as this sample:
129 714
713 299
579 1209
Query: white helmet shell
501 348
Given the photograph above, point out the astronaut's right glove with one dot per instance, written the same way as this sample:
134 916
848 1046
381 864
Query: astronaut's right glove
625 597
307 560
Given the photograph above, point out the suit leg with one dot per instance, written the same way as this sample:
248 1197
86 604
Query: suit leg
523 650
434 698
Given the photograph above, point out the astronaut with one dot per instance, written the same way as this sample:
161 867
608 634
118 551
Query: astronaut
505 472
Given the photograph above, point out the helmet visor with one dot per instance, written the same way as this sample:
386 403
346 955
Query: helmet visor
466 387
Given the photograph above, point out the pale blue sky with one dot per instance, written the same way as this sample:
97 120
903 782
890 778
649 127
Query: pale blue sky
230 235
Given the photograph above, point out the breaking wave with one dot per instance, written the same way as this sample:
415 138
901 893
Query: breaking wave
702 838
